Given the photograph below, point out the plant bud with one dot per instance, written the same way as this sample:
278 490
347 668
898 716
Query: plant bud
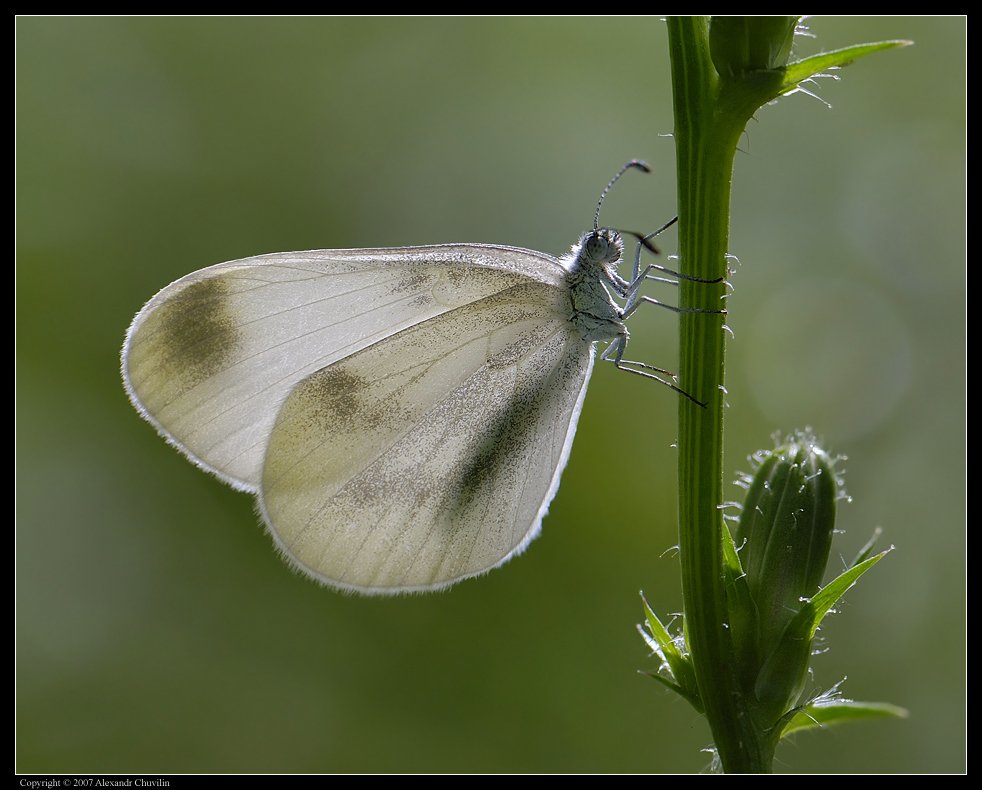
785 532
740 44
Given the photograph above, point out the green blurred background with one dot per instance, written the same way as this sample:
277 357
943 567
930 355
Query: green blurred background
157 630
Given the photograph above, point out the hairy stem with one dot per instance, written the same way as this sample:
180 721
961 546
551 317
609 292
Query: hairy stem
706 140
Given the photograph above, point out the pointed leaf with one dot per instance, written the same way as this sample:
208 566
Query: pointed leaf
819 606
666 645
809 67
821 714
679 664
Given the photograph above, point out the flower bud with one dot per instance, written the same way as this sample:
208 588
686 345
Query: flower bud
785 531
740 44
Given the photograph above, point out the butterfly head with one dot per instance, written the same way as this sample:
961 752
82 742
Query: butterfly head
602 246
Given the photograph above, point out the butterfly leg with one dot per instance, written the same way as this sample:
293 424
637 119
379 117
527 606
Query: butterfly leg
636 303
615 353
637 276
630 289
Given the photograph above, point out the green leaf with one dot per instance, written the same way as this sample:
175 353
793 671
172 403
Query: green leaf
819 606
800 70
666 645
822 713
661 642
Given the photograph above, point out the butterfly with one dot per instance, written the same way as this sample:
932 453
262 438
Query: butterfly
402 414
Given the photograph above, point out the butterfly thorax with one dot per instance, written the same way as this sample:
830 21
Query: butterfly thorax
590 265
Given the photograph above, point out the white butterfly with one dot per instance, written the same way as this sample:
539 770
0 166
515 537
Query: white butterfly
403 415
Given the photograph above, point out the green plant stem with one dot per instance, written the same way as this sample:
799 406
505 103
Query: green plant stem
706 136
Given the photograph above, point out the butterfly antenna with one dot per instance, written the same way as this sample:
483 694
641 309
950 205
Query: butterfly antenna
639 164
645 238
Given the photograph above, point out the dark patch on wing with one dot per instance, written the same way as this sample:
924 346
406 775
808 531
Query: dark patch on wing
338 400
192 335
500 442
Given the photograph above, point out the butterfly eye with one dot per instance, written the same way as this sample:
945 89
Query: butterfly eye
598 246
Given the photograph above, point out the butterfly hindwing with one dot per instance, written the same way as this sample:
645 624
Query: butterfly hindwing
431 456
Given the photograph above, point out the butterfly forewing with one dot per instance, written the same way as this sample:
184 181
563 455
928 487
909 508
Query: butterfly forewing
210 359
432 456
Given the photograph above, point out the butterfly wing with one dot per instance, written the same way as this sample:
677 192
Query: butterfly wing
210 359
431 456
